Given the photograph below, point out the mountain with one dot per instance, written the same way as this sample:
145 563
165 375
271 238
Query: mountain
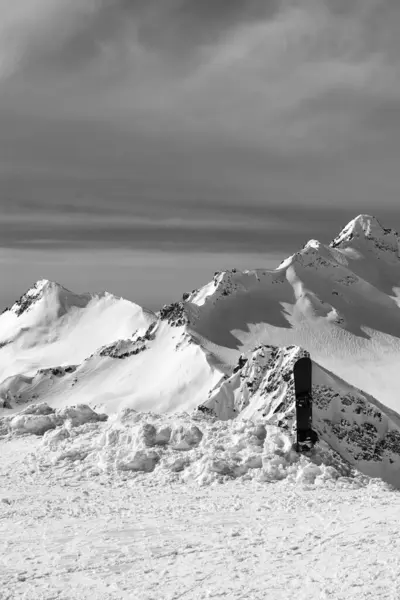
339 302
228 349
51 326
353 423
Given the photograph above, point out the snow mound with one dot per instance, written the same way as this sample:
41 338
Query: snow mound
187 449
37 419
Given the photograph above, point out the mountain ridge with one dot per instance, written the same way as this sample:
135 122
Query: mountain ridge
332 300
227 350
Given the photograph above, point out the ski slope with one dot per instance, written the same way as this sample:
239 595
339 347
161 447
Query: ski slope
309 531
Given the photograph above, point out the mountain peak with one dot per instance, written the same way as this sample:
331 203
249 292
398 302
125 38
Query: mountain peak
367 227
57 297
41 286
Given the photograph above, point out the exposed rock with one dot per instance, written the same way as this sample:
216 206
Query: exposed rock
174 314
123 349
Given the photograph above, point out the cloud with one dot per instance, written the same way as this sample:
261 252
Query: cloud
213 94
195 129
50 34
244 69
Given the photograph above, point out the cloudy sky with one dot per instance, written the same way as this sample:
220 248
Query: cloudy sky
147 143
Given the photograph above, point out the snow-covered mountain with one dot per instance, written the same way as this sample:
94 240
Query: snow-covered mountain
228 349
50 326
340 302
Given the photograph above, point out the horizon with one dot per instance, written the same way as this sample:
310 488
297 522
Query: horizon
148 144
269 264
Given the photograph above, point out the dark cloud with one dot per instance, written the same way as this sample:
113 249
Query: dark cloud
191 23
79 34
344 7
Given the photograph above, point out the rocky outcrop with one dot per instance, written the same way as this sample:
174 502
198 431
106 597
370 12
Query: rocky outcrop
261 384
174 314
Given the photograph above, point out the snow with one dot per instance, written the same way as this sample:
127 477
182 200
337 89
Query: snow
339 302
185 356
179 447
151 456
51 326
38 419
313 532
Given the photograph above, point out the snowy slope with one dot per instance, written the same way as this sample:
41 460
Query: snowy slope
112 505
69 532
159 368
50 326
339 302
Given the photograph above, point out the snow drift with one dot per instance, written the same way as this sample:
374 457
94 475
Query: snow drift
180 448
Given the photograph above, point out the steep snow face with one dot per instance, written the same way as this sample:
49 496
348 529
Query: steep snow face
339 302
51 326
372 252
161 369
44 302
366 228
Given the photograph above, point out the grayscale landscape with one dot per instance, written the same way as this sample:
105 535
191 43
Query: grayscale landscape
195 199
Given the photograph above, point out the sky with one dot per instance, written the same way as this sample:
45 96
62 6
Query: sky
146 144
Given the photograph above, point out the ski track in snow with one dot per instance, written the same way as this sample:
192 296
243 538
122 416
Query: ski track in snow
65 535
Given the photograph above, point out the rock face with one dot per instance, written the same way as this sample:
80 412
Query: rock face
123 349
354 424
359 428
261 385
174 314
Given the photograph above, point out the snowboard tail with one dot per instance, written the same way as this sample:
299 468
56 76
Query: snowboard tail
306 436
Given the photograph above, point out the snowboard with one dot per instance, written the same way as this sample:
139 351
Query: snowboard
302 372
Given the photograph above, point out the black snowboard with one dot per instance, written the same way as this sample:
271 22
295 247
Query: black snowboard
302 372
